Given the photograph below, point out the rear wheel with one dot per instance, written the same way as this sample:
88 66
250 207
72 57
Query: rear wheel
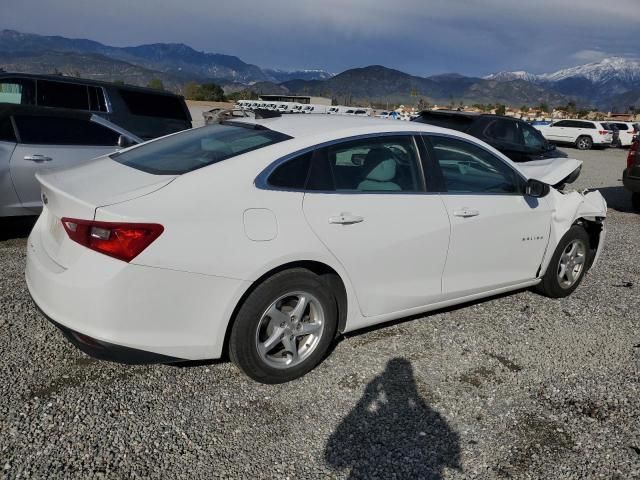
284 327
584 143
635 201
568 264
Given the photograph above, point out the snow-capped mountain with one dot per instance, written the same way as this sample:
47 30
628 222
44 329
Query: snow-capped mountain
597 83
624 70
509 76
616 68
307 74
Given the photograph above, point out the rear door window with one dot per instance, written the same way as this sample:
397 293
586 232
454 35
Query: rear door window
62 95
504 131
197 148
385 164
51 130
154 105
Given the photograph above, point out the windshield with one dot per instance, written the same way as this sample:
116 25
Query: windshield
197 148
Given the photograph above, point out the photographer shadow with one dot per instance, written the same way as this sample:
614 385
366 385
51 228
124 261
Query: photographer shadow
392 432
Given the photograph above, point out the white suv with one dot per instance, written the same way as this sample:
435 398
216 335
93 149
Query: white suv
583 134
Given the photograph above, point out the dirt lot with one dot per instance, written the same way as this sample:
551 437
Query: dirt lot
517 386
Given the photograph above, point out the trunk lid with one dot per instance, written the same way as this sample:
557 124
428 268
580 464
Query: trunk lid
552 171
77 193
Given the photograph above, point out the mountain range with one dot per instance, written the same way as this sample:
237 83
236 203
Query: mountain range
613 83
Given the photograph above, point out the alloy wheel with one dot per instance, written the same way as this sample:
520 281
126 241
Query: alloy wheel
571 263
290 329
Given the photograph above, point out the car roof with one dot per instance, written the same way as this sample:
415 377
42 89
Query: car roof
298 126
84 81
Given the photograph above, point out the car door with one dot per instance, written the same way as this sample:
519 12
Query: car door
498 235
556 132
366 201
49 141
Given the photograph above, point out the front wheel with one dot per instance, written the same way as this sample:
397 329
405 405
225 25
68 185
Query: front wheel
568 264
284 327
584 143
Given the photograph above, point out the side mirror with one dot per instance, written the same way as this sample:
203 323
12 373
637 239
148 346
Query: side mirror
125 142
536 188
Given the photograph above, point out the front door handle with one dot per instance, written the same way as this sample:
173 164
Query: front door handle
465 212
346 218
36 157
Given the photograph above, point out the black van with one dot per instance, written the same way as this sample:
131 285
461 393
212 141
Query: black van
514 138
145 112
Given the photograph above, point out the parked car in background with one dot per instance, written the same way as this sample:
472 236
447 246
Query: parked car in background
145 112
514 138
225 237
631 174
583 134
627 130
33 139
615 133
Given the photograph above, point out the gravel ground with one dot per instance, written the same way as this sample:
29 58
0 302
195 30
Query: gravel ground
517 386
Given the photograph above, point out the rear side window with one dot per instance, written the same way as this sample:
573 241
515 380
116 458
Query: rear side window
292 174
46 130
19 91
197 148
562 123
6 130
62 95
154 105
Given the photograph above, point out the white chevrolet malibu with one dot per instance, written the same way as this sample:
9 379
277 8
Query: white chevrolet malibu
267 238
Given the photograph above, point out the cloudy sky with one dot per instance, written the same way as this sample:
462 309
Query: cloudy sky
423 37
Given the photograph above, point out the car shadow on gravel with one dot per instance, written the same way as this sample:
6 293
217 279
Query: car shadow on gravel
393 432
16 227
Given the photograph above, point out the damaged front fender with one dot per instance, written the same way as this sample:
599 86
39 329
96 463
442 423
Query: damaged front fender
576 207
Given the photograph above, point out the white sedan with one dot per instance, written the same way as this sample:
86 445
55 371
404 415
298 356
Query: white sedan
267 238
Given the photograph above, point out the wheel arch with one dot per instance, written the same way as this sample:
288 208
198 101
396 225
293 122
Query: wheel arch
329 276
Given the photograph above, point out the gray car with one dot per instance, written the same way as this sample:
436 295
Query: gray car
32 139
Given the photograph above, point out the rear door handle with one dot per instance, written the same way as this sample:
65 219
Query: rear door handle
465 212
346 219
36 157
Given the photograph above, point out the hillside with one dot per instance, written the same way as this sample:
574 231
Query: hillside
380 84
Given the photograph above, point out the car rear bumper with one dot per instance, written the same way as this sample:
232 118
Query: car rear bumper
122 310
631 183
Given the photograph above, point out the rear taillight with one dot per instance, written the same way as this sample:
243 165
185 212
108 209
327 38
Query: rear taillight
604 132
124 241
632 158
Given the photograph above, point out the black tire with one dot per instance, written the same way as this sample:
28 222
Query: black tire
243 349
584 143
635 201
550 285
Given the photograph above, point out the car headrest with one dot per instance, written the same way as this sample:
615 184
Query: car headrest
380 165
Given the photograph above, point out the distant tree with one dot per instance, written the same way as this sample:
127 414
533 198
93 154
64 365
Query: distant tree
239 95
543 107
209 92
488 107
501 110
156 83
524 108
423 104
582 113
